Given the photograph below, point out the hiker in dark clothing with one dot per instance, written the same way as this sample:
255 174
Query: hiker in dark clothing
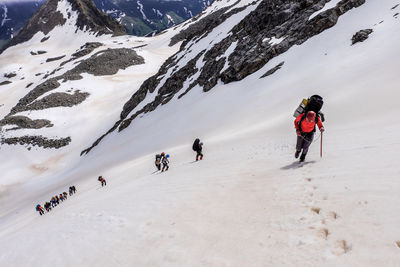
53 202
47 206
65 195
102 181
305 129
198 146
57 199
73 189
70 190
61 197
158 160
165 162
39 209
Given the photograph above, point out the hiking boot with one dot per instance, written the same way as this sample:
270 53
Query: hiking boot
302 157
297 154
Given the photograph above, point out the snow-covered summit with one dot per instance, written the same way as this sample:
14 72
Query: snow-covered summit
83 15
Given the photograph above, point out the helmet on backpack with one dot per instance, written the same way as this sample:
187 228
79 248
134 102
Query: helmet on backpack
162 154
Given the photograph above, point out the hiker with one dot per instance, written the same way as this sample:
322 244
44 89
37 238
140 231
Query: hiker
102 181
61 197
70 191
53 202
57 199
165 162
39 209
47 206
73 189
158 160
198 146
65 195
305 129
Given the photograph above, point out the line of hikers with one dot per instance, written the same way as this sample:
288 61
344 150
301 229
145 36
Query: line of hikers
164 158
55 200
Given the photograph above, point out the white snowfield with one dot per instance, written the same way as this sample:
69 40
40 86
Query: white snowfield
248 202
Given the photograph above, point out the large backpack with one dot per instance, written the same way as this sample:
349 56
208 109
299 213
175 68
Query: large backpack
314 103
195 146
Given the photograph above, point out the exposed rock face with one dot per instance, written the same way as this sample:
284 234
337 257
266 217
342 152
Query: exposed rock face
86 49
5 83
56 100
361 36
10 75
47 18
37 141
273 70
287 20
25 122
54 58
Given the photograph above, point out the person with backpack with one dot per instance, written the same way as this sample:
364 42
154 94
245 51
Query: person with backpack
39 209
102 181
305 129
47 206
198 146
158 160
165 162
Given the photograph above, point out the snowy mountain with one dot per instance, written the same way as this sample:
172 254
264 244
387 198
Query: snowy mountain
138 18
14 15
232 77
148 17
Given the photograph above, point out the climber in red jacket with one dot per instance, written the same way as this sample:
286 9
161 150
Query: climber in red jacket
305 129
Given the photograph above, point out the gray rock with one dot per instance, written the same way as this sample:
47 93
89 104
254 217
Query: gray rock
44 39
25 122
37 141
10 75
54 58
361 36
273 70
5 83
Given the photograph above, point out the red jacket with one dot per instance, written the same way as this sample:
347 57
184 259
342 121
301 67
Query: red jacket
306 126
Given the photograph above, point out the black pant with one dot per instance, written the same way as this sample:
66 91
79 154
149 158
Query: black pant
304 141
165 165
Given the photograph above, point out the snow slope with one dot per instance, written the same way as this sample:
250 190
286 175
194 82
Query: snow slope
248 203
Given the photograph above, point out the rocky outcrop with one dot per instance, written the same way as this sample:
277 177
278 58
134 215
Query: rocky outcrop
205 25
37 141
25 122
40 52
288 20
10 75
54 58
84 50
273 70
5 83
47 18
361 36
56 100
